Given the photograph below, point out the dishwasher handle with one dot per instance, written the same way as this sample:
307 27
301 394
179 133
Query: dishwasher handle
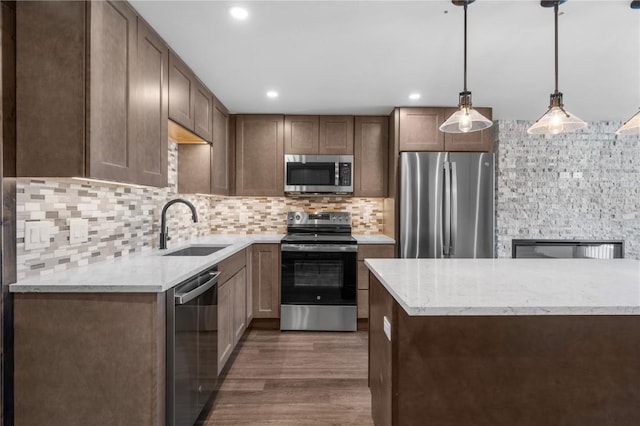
182 298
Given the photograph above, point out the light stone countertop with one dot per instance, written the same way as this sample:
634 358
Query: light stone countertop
146 272
151 271
374 239
511 286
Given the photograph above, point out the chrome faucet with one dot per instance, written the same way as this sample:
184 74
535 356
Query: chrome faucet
164 230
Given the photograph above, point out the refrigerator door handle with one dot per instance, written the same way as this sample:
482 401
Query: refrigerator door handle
454 208
446 220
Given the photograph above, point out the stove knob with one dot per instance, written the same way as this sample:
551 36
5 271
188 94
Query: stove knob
297 217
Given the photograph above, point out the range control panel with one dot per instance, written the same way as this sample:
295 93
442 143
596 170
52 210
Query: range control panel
322 218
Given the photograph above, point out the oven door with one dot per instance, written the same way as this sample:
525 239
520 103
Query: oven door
318 274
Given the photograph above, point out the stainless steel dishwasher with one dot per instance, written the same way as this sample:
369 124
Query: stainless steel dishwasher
192 347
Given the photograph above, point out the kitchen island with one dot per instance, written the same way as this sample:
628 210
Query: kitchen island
504 341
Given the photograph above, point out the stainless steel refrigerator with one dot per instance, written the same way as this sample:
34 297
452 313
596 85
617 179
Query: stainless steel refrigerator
447 205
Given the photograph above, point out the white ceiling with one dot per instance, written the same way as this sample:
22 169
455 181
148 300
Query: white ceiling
365 57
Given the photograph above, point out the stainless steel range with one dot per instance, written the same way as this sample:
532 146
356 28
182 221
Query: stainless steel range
319 273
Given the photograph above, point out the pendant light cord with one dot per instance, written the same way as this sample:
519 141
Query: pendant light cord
555 8
465 47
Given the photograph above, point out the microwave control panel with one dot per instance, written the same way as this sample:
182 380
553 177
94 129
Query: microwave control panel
345 174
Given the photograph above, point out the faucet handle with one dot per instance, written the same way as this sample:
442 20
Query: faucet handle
166 233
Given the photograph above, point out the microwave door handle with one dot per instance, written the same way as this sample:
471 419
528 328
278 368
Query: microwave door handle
446 220
337 181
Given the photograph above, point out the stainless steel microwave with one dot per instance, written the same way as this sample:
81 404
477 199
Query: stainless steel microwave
315 174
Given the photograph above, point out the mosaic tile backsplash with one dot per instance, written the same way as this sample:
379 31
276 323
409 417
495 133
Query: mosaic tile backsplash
583 185
125 220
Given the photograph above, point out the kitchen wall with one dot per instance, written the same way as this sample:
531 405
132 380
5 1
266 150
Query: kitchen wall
584 185
126 220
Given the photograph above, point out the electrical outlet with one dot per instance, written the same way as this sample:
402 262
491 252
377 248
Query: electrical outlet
37 234
78 231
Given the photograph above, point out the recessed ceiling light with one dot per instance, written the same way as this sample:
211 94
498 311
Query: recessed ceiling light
414 96
239 13
272 94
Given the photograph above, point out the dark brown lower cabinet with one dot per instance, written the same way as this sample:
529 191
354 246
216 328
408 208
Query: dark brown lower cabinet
502 370
89 359
265 271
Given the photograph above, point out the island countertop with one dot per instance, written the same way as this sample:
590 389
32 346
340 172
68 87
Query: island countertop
441 287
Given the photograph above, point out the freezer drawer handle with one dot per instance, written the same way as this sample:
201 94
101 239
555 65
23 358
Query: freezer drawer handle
182 298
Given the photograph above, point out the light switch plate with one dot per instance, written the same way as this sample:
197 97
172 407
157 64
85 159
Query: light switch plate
78 230
37 234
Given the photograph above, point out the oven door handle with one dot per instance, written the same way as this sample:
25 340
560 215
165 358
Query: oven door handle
324 248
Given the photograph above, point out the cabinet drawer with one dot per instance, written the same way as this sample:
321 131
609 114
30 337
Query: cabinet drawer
231 265
374 251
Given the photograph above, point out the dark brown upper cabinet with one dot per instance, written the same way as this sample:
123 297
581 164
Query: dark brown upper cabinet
153 105
336 135
222 151
301 134
468 142
204 168
190 103
259 155
203 112
181 92
419 129
324 134
91 93
370 155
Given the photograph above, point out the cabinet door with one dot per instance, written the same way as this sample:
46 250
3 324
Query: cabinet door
152 89
239 305
381 306
112 64
50 88
265 271
301 134
419 129
225 323
181 92
259 155
336 135
194 168
221 157
203 109
370 152
249 305
469 142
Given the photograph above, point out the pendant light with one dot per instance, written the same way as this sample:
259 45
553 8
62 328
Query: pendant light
556 119
466 119
632 125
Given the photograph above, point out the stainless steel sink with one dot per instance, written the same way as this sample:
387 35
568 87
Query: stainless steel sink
196 251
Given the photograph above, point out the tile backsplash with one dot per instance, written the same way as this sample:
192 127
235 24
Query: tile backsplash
125 220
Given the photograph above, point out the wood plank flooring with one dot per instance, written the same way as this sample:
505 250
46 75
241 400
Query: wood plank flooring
296 378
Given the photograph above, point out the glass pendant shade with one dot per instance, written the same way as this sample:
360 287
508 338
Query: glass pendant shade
465 120
556 120
631 126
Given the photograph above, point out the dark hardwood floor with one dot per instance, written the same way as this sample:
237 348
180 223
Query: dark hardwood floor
296 378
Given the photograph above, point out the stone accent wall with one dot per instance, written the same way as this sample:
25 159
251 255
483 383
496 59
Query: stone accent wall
583 185
125 220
